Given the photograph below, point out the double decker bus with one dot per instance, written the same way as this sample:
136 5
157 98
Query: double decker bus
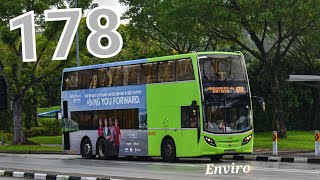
187 105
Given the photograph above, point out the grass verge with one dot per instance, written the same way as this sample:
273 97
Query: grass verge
295 140
55 140
46 109
46 139
37 148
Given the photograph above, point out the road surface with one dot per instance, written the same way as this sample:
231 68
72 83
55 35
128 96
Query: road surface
150 169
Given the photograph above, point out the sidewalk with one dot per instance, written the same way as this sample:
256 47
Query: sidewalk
285 152
284 155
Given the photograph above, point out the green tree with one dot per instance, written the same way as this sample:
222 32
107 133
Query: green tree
165 22
265 29
272 27
307 50
19 76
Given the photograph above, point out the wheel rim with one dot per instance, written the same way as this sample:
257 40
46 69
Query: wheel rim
87 148
168 150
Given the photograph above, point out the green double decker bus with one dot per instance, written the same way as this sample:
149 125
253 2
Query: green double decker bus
187 105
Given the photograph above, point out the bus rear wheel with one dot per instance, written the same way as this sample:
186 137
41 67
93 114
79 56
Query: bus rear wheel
86 149
102 149
169 151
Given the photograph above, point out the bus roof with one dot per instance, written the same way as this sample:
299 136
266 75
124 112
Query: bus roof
97 66
138 61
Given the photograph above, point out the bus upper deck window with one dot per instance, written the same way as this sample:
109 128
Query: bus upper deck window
166 71
116 76
94 80
125 75
131 74
149 73
70 81
184 70
85 79
102 77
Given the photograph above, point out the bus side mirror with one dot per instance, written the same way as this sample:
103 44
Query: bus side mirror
262 104
194 108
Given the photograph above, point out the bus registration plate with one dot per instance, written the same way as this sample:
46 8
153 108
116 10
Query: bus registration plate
230 151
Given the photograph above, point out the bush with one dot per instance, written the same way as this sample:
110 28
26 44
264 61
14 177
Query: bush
49 128
53 127
7 136
34 131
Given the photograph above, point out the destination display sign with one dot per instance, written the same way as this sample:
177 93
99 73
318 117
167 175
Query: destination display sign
226 89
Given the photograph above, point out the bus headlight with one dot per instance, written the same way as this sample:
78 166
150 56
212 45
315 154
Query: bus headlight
247 139
210 141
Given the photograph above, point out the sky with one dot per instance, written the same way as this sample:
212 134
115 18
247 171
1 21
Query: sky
113 4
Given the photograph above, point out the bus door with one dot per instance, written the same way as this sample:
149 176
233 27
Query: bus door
66 135
190 129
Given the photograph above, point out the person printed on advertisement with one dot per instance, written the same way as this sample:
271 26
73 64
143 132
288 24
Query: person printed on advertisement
106 131
112 132
100 128
118 135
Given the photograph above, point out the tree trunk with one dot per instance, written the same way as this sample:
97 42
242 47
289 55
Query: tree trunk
35 115
277 103
35 110
18 135
48 93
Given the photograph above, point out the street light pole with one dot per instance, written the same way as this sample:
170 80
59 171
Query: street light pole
77 42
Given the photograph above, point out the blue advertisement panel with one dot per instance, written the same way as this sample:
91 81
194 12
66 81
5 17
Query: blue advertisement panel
134 143
121 97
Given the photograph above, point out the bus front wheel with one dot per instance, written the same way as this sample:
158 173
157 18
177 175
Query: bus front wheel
169 151
86 149
102 149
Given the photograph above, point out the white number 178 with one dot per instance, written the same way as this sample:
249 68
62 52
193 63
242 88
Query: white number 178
72 18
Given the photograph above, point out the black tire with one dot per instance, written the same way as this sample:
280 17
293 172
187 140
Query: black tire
168 151
86 149
102 149
215 158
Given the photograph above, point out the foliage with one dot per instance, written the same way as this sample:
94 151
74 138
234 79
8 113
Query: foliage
7 136
53 127
34 131
5 122
271 26
20 77
277 37
298 100
49 128
165 22
265 29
